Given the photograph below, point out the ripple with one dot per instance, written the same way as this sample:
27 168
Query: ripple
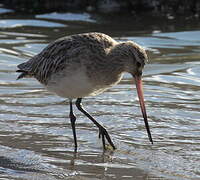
11 23
4 50
17 34
67 16
190 36
3 10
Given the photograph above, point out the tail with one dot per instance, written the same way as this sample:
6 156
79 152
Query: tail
23 74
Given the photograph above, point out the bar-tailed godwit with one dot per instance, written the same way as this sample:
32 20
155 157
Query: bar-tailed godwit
87 64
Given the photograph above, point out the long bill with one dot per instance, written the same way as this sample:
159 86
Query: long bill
138 82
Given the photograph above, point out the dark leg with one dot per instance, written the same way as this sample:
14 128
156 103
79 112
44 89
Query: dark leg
102 130
73 119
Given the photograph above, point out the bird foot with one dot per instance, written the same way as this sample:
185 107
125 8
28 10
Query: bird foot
104 134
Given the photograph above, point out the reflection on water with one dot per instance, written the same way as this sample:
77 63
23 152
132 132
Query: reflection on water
35 133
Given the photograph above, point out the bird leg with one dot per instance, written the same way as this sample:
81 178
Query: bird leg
102 131
73 119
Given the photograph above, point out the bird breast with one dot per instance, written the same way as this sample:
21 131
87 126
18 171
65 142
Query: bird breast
79 83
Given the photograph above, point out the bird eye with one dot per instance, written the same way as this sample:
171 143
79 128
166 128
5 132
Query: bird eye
138 64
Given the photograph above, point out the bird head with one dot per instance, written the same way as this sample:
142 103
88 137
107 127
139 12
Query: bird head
136 57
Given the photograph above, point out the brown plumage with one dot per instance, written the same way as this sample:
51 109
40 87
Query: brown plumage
86 64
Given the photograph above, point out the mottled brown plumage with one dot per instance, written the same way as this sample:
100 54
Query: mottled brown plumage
96 51
85 64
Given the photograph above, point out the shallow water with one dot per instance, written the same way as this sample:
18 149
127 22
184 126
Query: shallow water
35 134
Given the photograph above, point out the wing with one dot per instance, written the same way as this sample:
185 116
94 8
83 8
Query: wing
64 52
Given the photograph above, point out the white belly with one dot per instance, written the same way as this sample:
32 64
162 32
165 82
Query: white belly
73 85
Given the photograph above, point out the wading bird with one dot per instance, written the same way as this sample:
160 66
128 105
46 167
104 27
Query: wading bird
86 65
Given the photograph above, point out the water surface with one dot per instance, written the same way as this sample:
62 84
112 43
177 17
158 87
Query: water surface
35 133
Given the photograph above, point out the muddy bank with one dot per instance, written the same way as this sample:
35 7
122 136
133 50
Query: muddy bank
106 6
